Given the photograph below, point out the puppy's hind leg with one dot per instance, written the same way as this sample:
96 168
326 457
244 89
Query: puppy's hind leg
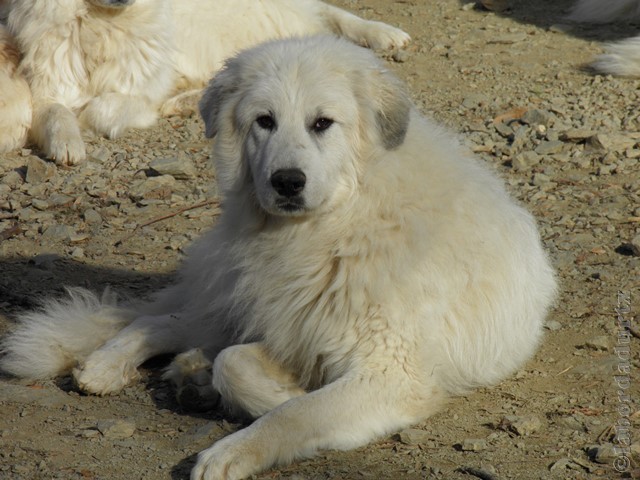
375 35
190 374
250 381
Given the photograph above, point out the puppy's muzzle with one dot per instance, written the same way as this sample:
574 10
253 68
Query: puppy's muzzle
288 182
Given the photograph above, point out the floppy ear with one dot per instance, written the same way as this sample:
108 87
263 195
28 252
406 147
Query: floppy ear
393 108
220 87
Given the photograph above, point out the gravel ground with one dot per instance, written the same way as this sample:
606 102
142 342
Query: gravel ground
512 83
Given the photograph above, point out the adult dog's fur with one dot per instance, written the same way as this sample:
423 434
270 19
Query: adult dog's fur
15 96
115 62
621 58
364 267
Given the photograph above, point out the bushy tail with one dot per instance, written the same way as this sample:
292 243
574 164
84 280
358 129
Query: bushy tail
52 340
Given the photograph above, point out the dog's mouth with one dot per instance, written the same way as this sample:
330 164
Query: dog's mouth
290 206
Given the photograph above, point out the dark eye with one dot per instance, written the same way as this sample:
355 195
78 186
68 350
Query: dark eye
320 124
266 122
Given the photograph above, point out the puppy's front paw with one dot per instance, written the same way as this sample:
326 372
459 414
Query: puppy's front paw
104 373
232 458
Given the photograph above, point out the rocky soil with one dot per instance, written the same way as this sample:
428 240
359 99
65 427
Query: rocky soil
513 83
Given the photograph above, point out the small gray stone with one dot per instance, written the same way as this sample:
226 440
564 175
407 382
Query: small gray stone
611 142
40 204
550 147
154 188
537 117
603 454
39 171
11 179
100 154
413 436
180 167
523 162
523 425
59 200
92 217
634 246
600 342
116 428
576 135
473 445
58 232
553 325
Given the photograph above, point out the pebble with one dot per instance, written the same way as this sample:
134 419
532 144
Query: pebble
92 217
537 117
58 232
523 425
600 343
153 188
523 162
473 445
179 167
38 170
116 428
413 436
549 147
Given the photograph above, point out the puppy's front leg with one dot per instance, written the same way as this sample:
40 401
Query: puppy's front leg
342 415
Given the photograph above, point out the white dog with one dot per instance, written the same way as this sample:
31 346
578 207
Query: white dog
15 97
364 267
621 58
115 62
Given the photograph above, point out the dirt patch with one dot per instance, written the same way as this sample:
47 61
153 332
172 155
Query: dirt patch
512 83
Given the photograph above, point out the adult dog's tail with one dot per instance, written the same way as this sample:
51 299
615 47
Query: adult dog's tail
52 340
622 58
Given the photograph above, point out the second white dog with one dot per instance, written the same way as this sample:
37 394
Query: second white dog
114 62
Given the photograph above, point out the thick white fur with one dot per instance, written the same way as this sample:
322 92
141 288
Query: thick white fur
621 58
402 273
15 96
114 64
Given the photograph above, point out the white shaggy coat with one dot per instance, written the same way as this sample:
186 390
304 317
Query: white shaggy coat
15 96
113 63
396 272
621 58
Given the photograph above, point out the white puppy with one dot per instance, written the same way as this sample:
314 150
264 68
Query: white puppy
114 62
621 58
15 97
364 267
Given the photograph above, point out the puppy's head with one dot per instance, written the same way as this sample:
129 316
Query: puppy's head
297 119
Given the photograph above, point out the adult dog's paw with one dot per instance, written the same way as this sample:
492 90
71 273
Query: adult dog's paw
104 373
381 36
232 458
66 149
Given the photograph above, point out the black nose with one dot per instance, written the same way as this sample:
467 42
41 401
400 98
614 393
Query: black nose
288 182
